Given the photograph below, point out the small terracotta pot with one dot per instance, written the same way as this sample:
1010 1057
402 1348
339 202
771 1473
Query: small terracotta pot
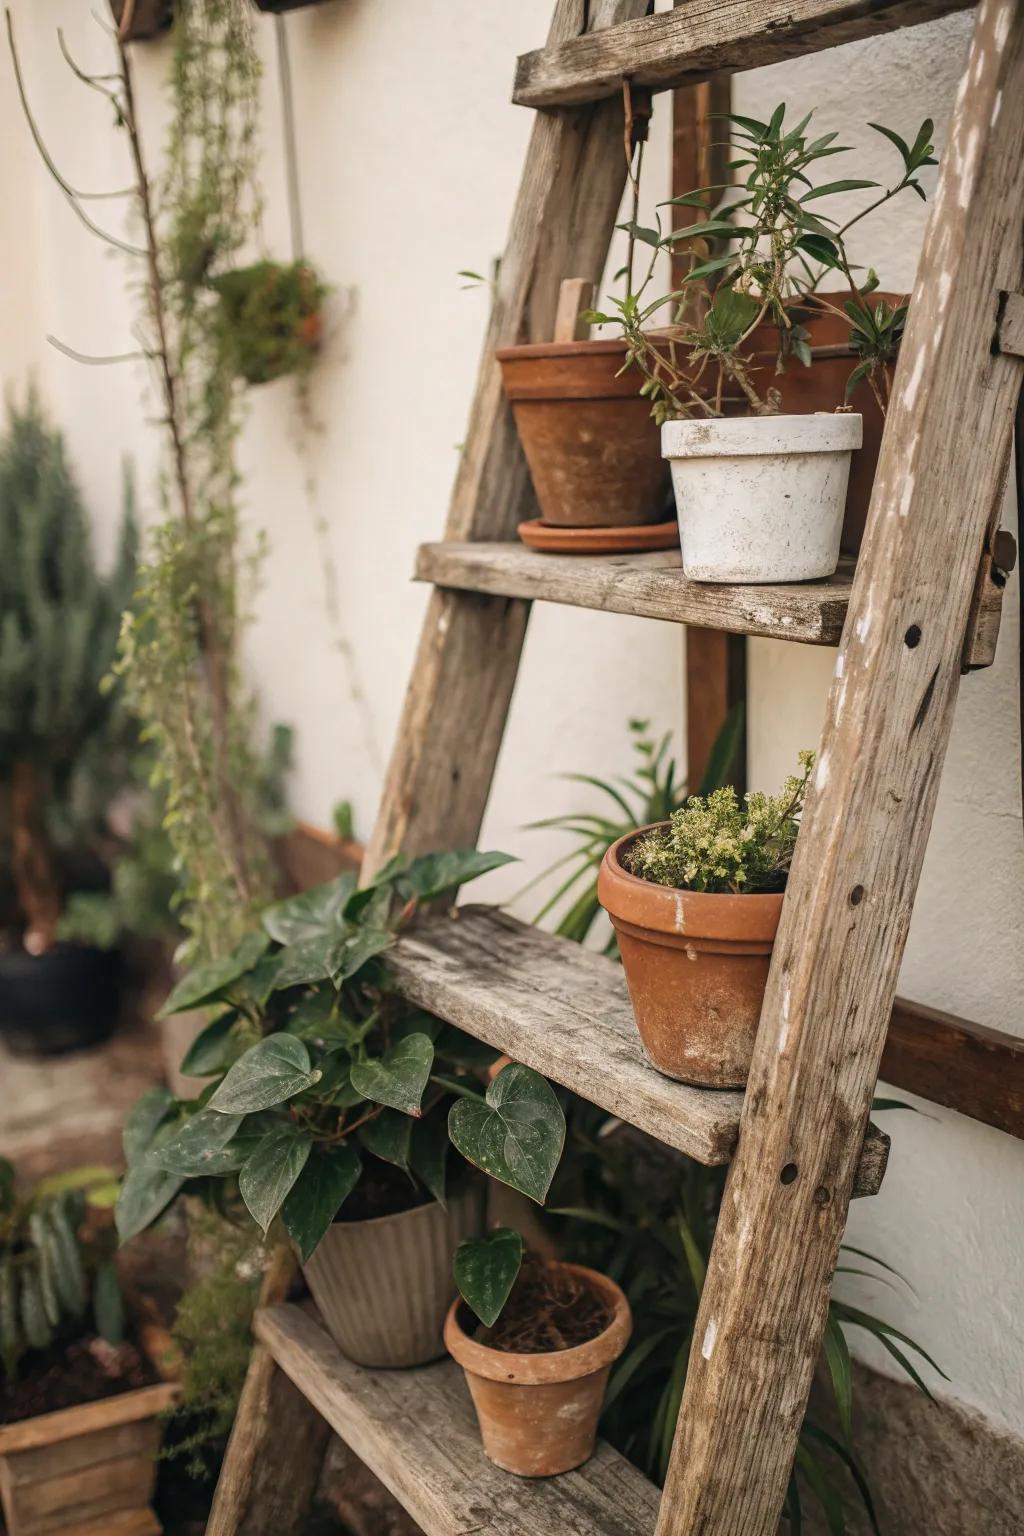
592 449
383 1286
696 968
538 1413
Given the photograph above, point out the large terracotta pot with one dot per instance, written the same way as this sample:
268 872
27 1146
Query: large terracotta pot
822 387
383 1286
538 1413
696 968
592 449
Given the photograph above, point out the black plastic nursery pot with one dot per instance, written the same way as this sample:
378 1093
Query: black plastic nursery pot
64 1000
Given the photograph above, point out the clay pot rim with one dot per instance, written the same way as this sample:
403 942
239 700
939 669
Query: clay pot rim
687 914
530 351
558 1365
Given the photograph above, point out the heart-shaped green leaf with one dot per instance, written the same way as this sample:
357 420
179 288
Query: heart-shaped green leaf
146 1191
330 955
272 1170
312 913
399 1077
210 1051
428 1151
318 1194
197 1147
388 1136
210 981
516 1135
146 1116
276 1068
437 873
485 1270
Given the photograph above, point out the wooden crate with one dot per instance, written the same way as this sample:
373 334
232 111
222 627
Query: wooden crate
86 1469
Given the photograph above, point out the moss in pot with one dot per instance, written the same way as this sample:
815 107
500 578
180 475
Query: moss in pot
538 1352
330 1098
695 903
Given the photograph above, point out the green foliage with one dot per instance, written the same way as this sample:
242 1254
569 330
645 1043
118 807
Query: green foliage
485 1271
777 249
646 1216
54 1281
212 1329
59 617
270 318
715 843
653 792
317 1068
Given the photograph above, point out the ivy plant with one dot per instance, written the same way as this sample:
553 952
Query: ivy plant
317 1071
759 256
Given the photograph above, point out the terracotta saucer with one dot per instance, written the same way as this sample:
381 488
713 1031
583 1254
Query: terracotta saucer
599 541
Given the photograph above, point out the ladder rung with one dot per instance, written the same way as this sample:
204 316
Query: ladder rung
417 1432
703 37
649 586
565 1011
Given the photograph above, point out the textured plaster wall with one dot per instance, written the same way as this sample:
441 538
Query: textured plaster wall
408 174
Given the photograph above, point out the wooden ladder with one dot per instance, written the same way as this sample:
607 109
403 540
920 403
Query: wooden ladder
920 607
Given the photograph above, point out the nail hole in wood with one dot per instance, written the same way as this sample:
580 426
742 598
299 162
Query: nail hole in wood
856 896
912 638
822 1196
788 1173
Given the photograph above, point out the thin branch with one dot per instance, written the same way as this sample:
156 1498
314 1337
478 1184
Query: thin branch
94 82
69 191
93 360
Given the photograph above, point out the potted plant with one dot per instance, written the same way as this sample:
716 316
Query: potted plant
538 1361
330 1103
762 493
59 731
80 1403
271 318
695 902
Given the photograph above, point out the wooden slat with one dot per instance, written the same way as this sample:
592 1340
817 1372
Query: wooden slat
858 859
454 716
108 1412
562 1010
702 38
416 1430
964 1066
650 586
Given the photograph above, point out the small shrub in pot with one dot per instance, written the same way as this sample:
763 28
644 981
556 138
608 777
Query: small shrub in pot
760 499
695 902
328 1096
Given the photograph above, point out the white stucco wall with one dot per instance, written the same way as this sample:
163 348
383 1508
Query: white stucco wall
408 174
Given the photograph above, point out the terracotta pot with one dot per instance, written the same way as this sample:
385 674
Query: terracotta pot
590 444
538 1413
822 387
383 1286
696 968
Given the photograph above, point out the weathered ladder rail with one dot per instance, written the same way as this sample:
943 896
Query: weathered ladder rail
916 600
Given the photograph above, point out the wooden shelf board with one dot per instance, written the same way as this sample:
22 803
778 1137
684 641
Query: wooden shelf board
562 1010
650 586
416 1430
702 38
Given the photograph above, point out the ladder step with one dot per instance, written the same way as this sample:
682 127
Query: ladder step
416 1431
702 37
564 1011
649 586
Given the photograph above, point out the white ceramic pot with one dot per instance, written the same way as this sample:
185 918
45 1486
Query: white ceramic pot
761 498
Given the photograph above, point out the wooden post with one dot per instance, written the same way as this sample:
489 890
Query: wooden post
715 663
859 855
450 732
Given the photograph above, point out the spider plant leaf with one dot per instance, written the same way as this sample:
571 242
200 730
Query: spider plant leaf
723 750
823 1489
862 1253
631 1363
607 789
837 1357
884 1333
793 1511
852 1465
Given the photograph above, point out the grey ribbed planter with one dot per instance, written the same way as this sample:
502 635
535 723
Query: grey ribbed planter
383 1286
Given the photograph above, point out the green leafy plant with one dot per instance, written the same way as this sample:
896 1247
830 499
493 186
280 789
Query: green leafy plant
270 318
716 843
759 256
59 620
646 1216
318 1072
54 1282
652 793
